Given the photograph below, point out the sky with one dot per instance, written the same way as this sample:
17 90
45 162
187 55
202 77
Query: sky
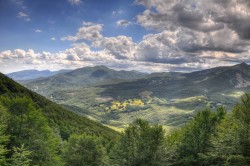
143 35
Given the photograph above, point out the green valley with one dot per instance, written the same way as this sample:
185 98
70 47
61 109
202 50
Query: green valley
170 99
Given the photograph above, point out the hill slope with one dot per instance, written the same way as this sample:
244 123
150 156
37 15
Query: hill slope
67 122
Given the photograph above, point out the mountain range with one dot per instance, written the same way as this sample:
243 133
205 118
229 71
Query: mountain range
33 74
116 98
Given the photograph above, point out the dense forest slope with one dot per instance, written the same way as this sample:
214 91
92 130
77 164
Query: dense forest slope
58 117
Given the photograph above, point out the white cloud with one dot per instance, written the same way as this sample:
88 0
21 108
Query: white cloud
53 38
24 16
147 3
38 30
89 31
161 48
123 23
186 35
5 54
121 47
18 53
75 2
117 12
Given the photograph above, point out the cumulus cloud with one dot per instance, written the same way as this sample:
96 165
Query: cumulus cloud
202 30
53 38
159 48
123 23
204 16
18 53
162 15
121 47
236 15
5 54
89 31
185 35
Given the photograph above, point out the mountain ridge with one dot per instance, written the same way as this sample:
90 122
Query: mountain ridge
33 74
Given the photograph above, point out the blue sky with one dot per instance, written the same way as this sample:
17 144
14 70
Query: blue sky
144 35
46 19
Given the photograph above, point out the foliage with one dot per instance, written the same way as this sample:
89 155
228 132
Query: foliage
20 157
231 142
4 139
85 150
141 144
194 139
35 131
58 117
27 126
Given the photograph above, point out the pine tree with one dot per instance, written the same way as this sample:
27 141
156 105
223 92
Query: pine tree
20 157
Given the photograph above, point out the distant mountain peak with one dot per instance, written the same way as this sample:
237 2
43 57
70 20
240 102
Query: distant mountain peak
243 64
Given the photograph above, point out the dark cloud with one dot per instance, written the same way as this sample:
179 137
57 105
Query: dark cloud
167 60
203 16
193 19
235 15
179 14
199 48
239 24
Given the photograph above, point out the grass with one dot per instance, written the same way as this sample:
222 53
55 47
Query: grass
190 99
235 94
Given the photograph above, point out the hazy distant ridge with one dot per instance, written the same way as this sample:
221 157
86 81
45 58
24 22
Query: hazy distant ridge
33 74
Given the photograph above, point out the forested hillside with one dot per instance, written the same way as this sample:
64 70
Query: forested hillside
34 129
58 117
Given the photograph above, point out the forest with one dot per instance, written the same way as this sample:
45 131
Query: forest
35 131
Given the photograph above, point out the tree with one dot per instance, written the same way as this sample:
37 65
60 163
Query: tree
85 150
3 136
241 113
27 126
231 142
193 140
20 157
141 144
